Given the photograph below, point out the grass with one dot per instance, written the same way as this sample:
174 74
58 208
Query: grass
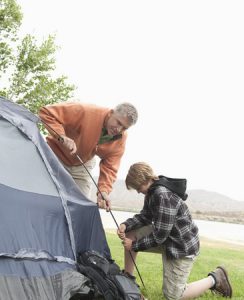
212 254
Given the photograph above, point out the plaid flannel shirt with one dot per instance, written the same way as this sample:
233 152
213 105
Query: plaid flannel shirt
172 223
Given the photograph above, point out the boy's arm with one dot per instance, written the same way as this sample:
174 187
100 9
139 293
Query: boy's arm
163 221
142 219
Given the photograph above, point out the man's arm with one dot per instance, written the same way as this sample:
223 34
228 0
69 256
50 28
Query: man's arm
55 118
52 117
109 166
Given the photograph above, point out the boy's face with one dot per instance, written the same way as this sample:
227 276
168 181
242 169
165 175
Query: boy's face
144 187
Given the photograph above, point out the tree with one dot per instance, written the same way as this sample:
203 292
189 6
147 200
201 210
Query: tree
10 20
28 67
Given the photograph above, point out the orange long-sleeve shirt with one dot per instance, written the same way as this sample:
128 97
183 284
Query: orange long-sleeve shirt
83 123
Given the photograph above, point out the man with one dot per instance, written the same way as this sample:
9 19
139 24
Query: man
87 130
165 226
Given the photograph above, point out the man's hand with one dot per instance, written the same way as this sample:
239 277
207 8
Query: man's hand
121 231
103 201
68 143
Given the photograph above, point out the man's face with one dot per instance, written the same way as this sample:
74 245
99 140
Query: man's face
116 124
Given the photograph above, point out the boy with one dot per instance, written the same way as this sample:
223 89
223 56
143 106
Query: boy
165 226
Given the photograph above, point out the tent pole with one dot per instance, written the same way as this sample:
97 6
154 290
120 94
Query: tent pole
61 140
111 215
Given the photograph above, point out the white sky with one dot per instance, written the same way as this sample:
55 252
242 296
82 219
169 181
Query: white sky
181 63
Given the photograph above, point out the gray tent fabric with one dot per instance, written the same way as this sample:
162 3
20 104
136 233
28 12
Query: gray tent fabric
45 219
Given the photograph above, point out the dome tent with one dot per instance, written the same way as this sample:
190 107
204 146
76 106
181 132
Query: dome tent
45 219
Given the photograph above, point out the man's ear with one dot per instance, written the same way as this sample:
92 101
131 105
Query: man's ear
110 112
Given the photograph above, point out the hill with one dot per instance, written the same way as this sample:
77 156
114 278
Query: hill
203 204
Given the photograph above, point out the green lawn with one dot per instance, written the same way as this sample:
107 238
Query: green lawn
212 254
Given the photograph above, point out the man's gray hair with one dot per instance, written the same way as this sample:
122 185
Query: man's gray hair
128 110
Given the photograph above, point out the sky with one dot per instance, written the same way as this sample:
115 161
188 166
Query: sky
181 63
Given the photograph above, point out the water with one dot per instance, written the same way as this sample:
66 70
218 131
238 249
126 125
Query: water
226 232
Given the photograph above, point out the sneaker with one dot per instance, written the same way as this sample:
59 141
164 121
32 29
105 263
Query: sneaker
222 285
127 274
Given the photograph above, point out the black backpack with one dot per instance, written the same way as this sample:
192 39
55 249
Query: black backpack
107 280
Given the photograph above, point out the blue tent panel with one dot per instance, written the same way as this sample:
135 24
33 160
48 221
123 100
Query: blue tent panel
45 219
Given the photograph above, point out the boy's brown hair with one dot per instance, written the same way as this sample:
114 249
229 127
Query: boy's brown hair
139 173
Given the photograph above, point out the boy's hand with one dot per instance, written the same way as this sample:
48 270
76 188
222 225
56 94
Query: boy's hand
121 231
127 243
